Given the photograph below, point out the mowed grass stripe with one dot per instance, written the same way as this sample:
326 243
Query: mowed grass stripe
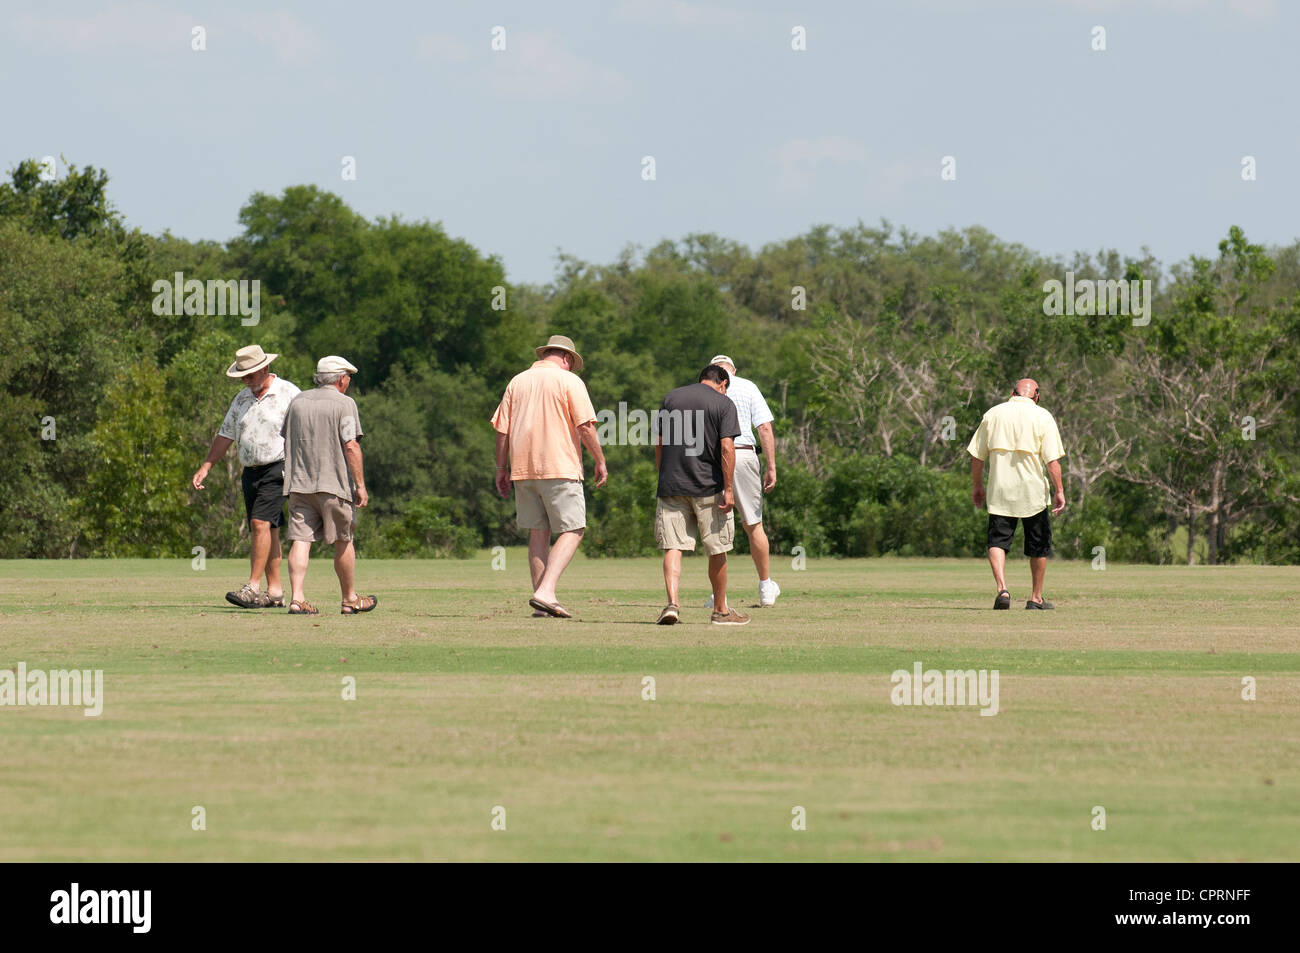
710 770
595 660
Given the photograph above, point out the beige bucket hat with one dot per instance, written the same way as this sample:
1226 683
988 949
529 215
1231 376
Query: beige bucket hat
564 344
249 359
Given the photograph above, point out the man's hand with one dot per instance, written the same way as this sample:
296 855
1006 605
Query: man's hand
361 497
503 483
200 475
728 501
769 480
977 497
1058 502
602 473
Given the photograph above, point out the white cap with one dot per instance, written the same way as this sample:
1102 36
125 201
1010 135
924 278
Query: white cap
333 364
722 359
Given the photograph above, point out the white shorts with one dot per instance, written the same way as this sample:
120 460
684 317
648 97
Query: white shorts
747 487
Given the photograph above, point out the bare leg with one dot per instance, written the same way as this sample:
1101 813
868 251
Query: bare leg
998 560
566 544
539 545
258 551
718 577
1037 571
299 555
274 586
758 549
344 562
672 573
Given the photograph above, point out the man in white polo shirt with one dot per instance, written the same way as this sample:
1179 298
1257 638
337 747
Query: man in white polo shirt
1018 439
750 483
253 424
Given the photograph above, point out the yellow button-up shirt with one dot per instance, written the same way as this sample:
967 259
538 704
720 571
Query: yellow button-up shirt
1017 439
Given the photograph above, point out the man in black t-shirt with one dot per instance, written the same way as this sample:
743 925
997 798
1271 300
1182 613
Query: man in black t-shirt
695 429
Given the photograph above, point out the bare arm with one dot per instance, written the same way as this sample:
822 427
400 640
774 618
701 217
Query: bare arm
728 472
590 440
352 451
768 440
977 479
218 450
1058 490
503 464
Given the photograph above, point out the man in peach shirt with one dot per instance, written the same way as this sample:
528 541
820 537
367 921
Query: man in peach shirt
543 421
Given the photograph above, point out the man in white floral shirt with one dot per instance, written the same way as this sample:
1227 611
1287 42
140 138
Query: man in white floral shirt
253 424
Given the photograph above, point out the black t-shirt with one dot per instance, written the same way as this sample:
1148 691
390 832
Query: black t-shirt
691 423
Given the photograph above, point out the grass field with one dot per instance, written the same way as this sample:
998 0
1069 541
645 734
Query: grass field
1128 696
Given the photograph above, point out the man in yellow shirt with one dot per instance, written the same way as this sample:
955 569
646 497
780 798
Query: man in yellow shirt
1018 439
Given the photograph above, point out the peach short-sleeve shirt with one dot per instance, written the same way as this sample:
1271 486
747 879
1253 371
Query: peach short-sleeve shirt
540 413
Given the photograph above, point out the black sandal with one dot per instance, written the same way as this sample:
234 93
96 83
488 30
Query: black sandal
1003 600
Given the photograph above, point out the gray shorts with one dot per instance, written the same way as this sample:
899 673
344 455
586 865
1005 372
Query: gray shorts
747 487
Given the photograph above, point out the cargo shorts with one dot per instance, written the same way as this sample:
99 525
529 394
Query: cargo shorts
682 520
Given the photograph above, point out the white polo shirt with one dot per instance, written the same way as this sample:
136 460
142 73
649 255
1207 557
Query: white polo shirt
255 424
1018 439
751 408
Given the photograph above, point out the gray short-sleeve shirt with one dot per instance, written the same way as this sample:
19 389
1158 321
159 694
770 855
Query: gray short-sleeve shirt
317 426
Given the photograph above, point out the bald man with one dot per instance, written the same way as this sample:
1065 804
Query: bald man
1019 440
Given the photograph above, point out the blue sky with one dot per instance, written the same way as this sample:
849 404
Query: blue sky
539 147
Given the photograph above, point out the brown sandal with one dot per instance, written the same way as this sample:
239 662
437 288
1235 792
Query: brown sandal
298 607
363 604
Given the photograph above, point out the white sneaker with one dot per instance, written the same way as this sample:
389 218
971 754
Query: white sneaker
767 592
708 603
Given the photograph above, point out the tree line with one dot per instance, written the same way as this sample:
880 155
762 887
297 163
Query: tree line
877 348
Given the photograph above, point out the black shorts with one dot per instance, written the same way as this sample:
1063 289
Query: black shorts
1038 533
264 493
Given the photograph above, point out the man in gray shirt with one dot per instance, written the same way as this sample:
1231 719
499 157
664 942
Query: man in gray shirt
324 481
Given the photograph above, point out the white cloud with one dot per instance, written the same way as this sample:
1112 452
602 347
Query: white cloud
124 25
1250 9
677 13
537 66
1254 9
440 46
799 159
291 39
160 29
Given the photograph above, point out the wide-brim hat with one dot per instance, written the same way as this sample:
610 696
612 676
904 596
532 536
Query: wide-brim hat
560 342
248 360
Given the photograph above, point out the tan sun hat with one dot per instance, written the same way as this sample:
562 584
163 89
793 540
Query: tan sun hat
562 343
249 359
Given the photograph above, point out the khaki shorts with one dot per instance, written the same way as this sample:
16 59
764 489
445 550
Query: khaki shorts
556 505
680 519
314 517
747 486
